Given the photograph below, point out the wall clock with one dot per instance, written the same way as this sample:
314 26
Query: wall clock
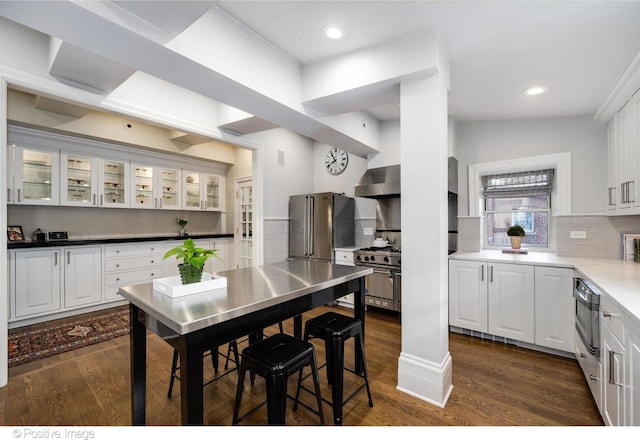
336 161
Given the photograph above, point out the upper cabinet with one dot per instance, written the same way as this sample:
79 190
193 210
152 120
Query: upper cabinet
155 187
623 160
52 169
202 191
33 175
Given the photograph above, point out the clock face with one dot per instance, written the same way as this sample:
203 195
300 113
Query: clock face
336 161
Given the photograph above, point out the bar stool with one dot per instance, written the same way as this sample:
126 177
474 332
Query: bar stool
214 352
335 329
275 359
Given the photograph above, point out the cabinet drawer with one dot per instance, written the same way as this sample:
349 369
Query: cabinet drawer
132 277
344 257
123 264
592 370
132 250
611 315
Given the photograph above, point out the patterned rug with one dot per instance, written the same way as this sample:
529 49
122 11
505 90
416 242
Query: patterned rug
67 334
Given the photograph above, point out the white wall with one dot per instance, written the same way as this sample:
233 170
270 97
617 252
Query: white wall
489 141
389 146
295 177
342 183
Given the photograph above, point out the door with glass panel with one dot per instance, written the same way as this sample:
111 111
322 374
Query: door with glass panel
79 183
33 176
114 183
244 223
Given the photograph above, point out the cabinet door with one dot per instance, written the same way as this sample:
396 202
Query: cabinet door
554 308
113 183
613 194
169 192
214 192
79 180
36 177
38 282
635 147
143 189
468 295
82 276
612 356
632 404
191 197
224 252
511 301
626 156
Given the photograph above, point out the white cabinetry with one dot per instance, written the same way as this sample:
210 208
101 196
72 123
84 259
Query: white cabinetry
82 276
592 369
33 175
612 354
623 159
79 180
155 187
202 191
493 298
554 308
38 282
345 257
632 371
468 294
50 280
130 264
527 303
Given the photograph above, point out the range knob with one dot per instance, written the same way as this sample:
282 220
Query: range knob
386 259
366 258
358 258
373 258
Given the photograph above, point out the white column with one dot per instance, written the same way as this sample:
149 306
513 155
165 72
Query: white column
424 366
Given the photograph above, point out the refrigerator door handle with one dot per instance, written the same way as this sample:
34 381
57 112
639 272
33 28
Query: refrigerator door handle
311 228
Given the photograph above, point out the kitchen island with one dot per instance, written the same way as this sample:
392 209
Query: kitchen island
255 298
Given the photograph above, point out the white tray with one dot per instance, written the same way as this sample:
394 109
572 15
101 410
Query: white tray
173 287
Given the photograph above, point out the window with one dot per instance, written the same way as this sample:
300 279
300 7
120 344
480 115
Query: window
522 198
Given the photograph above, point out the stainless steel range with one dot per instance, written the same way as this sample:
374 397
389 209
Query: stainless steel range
384 285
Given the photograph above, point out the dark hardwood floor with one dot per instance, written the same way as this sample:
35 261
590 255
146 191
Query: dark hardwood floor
494 385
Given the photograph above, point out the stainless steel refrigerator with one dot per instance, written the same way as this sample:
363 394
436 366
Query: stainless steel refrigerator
319 223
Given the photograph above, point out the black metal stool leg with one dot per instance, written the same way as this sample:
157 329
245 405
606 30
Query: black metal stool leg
174 369
276 399
316 383
336 365
239 390
360 342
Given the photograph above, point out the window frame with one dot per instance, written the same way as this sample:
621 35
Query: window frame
560 195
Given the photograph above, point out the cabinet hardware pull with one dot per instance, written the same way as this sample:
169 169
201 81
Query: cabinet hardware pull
592 377
582 355
631 192
101 199
117 279
68 257
9 195
491 274
55 258
94 199
606 314
482 272
19 199
117 265
612 372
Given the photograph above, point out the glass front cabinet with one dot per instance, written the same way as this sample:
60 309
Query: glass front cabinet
33 177
79 180
113 179
202 191
155 187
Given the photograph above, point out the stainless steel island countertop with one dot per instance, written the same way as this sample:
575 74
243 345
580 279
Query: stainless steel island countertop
248 290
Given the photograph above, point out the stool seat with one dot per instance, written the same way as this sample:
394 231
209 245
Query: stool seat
335 329
275 359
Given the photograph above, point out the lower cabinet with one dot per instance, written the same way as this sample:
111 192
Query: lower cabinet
51 280
82 276
612 353
632 373
37 295
344 257
532 304
129 264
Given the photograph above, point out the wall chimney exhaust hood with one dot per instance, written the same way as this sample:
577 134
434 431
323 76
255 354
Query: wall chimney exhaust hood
379 182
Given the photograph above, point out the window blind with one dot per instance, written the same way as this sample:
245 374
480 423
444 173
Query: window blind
526 181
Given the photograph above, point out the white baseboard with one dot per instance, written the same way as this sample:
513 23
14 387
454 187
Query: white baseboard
425 380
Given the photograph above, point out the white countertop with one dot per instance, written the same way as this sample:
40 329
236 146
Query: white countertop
619 279
348 248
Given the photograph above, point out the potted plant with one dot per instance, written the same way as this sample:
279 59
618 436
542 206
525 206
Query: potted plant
515 233
182 222
193 259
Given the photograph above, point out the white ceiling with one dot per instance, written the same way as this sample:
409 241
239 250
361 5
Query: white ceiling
578 49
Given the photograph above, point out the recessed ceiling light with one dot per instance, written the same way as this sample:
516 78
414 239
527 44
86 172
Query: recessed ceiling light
333 32
536 90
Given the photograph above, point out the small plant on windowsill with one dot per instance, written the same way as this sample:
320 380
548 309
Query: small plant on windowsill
515 233
193 260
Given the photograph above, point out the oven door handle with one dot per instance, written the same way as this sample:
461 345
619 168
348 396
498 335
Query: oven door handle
383 272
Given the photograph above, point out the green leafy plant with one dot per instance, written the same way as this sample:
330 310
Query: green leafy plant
192 255
182 221
516 231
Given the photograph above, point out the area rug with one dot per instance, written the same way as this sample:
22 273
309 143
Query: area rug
65 335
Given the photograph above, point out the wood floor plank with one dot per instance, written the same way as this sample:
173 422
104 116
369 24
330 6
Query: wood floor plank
494 385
